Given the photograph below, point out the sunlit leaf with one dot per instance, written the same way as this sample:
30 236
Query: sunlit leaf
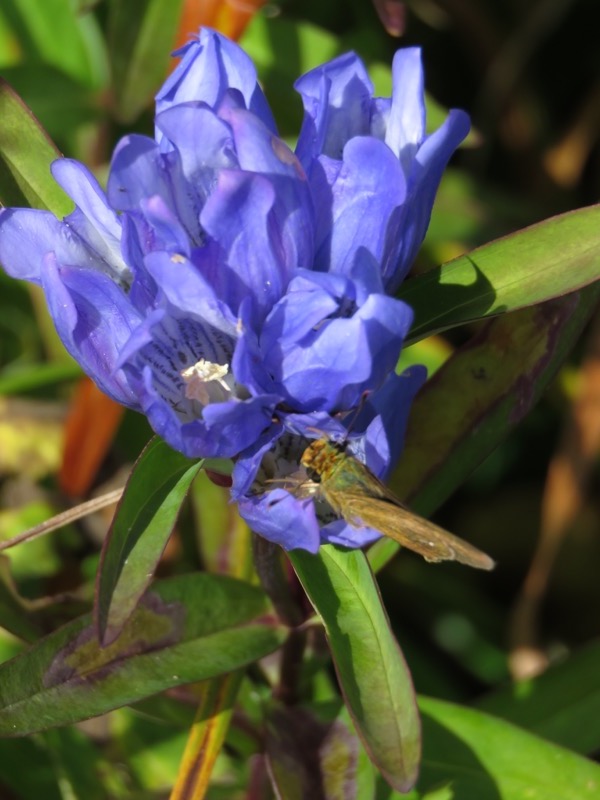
223 537
536 264
25 157
477 756
31 436
371 669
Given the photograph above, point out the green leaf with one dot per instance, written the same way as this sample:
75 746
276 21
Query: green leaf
141 35
25 157
139 532
536 264
185 629
478 756
562 705
371 669
480 394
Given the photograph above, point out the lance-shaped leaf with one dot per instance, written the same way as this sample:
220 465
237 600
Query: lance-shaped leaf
26 153
373 675
140 530
478 396
475 756
185 629
536 264
141 37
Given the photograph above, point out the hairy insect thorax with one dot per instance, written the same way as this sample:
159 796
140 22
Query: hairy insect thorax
322 458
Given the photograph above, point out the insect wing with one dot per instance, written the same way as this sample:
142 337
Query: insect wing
412 531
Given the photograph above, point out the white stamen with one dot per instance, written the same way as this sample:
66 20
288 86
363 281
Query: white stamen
199 375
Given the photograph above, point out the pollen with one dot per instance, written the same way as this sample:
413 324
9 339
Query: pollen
198 377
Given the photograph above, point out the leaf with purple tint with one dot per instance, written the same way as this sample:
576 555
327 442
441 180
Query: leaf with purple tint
185 629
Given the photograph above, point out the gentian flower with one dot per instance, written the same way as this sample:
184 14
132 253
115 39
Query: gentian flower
238 294
373 170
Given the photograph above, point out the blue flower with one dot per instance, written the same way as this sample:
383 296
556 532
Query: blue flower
145 282
373 170
238 294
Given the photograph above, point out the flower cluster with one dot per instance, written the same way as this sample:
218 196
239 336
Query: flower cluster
238 293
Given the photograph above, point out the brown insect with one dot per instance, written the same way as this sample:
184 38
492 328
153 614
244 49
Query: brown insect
356 495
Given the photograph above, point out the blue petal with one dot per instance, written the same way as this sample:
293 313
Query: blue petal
424 179
154 359
406 122
93 220
204 143
258 150
316 425
283 519
331 369
187 290
390 408
27 235
248 464
342 533
140 170
249 258
353 212
166 230
211 65
320 352
94 319
336 98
